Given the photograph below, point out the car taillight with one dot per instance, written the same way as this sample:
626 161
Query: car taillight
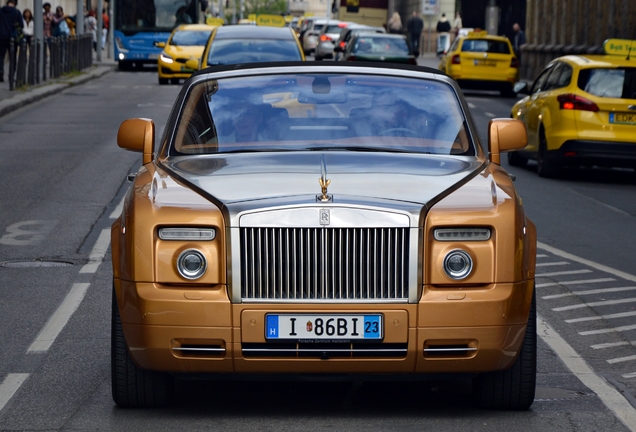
514 63
343 44
324 38
456 59
573 102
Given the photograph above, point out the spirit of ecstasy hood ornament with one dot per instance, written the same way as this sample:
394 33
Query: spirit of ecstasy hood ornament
324 183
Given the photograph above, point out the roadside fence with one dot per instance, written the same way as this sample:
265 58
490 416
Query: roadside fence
62 55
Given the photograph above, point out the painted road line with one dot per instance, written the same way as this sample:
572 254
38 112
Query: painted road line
630 375
542 256
115 214
97 254
58 320
9 386
600 303
589 292
616 209
549 264
576 282
563 273
600 317
612 344
622 359
609 330
606 393
594 265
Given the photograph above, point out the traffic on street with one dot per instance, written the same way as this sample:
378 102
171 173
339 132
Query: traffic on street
171 277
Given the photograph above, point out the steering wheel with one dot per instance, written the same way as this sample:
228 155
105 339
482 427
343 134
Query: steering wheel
399 132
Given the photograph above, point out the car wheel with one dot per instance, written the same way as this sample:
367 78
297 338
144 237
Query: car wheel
163 81
133 387
516 160
512 389
545 167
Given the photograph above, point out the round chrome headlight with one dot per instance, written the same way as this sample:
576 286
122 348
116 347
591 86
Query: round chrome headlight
458 264
191 264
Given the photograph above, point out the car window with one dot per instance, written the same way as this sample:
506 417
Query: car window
539 83
320 110
190 38
454 45
381 46
333 29
233 51
484 45
610 83
553 79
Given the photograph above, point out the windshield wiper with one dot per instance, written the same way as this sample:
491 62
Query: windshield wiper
360 149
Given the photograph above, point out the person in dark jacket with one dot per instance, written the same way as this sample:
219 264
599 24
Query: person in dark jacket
11 26
414 27
443 26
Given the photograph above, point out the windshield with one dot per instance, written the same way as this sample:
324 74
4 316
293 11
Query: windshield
483 45
321 111
609 83
381 46
133 16
233 51
190 38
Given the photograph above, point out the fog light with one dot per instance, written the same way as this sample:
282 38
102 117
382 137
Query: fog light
191 264
458 264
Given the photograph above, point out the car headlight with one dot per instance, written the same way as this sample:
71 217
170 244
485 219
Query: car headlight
462 234
166 58
187 234
191 264
458 264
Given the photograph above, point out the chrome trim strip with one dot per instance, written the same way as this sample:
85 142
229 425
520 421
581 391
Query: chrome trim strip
310 350
325 301
211 350
449 349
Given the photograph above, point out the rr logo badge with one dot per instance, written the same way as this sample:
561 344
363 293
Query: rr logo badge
325 217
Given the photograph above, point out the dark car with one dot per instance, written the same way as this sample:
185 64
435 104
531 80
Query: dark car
376 47
348 33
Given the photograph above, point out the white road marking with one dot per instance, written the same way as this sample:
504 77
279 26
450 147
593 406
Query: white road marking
597 317
27 233
472 106
587 262
115 214
549 264
609 330
630 375
617 210
9 386
542 256
599 303
97 254
563 273
58 320
589 292
622 359
489 114
606 393
612 345
576 282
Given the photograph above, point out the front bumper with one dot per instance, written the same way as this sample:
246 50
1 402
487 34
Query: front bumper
601 153
449 331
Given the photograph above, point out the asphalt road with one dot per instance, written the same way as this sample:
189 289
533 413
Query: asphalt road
63 177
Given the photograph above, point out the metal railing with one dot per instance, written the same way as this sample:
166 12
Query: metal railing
61 55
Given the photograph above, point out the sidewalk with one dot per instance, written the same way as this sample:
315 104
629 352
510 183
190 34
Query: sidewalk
12 100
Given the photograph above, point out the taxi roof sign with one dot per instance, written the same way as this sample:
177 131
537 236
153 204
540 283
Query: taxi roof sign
478 33
270 20
621 47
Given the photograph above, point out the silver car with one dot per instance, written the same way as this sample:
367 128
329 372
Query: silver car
328 37
309 37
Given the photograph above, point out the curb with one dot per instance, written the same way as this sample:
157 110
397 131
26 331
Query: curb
22 99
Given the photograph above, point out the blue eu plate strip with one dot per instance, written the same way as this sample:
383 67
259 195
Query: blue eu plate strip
272 326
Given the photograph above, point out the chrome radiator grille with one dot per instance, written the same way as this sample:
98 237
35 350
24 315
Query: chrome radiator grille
324 263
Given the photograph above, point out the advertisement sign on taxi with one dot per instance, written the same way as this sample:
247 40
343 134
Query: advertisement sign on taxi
622 47
270 20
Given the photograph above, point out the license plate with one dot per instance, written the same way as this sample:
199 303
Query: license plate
623 118
324 327
185 69
153 56
485 63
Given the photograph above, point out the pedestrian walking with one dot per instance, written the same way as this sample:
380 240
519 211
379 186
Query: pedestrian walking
518 40
90 26
10 28
414 27
105 27
443 26
457 25
60 27
47 17
395 23
27 16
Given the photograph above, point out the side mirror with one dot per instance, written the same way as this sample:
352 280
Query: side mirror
193 64
521 88
505 135
160 44
138 135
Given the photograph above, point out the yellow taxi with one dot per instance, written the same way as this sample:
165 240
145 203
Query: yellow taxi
186 42
482 61
581 111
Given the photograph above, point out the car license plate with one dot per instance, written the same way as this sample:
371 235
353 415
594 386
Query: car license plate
324 327
491 63
623 118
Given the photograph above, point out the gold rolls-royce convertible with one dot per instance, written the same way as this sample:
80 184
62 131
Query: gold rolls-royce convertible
334 220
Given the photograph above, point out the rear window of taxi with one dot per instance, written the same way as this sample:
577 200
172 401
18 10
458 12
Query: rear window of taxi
610 83
485 45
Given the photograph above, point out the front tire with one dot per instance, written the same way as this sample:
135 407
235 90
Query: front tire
512 389
545 166
132 386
